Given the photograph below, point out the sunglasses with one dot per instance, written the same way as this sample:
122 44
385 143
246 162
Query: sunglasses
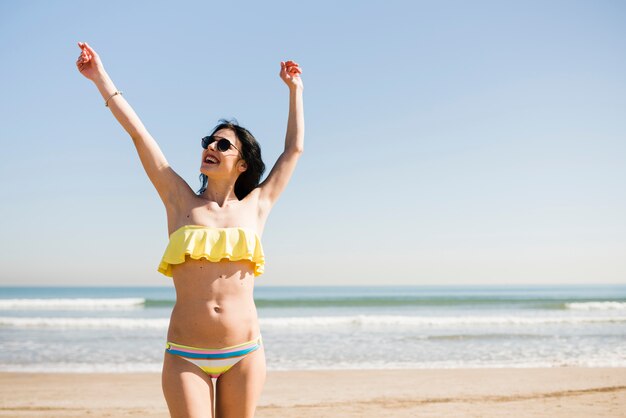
223 144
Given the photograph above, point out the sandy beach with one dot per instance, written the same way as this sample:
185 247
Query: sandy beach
542 392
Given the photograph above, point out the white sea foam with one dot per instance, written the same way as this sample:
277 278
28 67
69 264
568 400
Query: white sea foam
72 303
156 367
469 364
93 367
315 322
93 323
393 320
596 306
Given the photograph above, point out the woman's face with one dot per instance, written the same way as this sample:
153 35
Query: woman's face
227 163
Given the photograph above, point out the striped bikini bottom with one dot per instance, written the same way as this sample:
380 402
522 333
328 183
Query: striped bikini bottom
214 361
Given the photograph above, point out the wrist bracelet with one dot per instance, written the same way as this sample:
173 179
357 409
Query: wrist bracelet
106 103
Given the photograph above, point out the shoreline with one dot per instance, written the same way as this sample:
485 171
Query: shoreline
485 392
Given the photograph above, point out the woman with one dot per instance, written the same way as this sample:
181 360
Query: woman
214 252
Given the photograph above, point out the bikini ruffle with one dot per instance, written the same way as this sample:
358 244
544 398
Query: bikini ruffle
213 244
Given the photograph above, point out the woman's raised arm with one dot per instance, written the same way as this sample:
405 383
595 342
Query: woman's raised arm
168 183
278 178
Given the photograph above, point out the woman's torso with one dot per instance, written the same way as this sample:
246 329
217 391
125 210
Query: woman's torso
214 300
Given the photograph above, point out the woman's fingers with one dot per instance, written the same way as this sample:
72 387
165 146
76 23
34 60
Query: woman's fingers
83 53
291 66
86 50
90 50
289 69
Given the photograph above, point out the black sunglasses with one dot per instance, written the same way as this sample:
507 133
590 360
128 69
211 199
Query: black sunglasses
223 144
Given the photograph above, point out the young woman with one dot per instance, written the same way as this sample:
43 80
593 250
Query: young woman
214 252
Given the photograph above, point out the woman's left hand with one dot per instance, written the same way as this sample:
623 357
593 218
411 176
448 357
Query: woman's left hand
290 73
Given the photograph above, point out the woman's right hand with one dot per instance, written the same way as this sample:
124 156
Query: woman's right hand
88 63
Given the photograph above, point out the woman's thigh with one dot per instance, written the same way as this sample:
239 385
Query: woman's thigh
239 389
188 390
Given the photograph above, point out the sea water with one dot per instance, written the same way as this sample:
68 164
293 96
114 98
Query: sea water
124 329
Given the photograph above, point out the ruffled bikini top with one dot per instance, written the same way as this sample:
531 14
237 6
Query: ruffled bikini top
213 244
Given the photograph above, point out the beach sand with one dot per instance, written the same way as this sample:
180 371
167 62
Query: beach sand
543 392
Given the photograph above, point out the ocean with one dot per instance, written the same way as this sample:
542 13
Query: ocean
123 329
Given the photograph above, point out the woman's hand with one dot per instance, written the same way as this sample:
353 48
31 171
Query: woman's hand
88 63
290 73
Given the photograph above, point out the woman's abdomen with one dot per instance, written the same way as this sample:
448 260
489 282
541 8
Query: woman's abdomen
214 304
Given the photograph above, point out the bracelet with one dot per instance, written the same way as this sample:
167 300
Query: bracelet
106 103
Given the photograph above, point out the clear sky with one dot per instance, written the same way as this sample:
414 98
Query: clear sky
446 142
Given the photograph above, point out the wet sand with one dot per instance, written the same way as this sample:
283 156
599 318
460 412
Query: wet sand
543 392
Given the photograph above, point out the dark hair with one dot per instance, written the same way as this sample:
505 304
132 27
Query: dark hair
251 152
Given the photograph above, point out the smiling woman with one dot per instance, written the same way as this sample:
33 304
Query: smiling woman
250 153
214 252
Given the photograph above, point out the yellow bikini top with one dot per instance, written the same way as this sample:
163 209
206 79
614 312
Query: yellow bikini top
213 244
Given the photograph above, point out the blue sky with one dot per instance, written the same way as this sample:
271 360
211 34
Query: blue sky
446 142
